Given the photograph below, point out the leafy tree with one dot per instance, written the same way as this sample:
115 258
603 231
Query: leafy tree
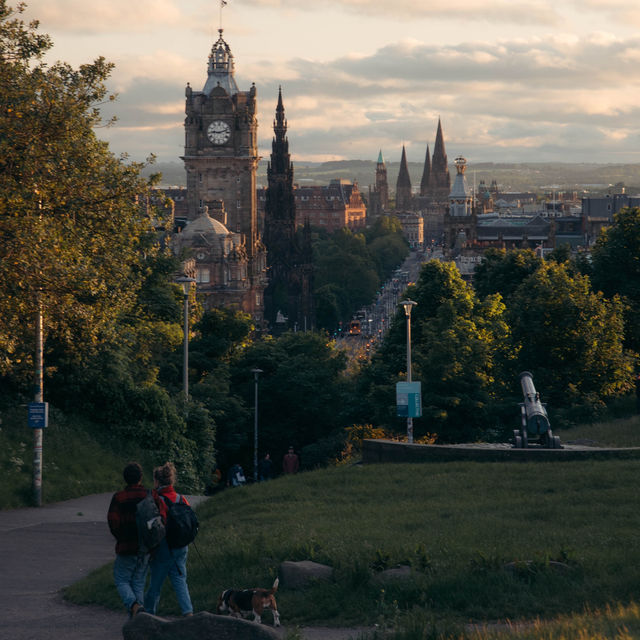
569 337
302 393
458 353
502 271
616 269
74 237
349 268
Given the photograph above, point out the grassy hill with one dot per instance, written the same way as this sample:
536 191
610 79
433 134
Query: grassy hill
484 542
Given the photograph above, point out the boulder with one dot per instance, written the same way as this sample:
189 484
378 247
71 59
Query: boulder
200 626
296 575
401 572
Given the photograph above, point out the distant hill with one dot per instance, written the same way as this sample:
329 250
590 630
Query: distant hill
510 177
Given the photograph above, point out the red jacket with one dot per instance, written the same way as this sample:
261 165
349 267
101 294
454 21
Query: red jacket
122 517
170 493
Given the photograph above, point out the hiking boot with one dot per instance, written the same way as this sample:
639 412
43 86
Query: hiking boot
136 608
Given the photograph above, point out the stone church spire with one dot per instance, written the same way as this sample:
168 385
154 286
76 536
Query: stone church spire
403 185
426 174
440 180
382 185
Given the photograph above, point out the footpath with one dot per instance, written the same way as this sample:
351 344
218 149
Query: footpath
48 548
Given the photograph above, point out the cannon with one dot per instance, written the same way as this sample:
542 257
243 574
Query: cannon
535 421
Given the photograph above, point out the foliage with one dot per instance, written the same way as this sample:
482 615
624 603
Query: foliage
349 268
458 353
74 237
616 269
301 393
569 337
503 271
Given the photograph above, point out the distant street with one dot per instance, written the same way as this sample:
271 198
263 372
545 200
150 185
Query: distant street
375 319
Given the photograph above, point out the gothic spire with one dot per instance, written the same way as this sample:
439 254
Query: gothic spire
426 173
439 162
403 185
280 123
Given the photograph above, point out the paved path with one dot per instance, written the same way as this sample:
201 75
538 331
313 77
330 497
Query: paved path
44 550
48 548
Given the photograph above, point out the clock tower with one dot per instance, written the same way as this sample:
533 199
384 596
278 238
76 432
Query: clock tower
221 160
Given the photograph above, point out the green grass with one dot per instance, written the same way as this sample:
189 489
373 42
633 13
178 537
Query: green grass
624 432
77 459
456 524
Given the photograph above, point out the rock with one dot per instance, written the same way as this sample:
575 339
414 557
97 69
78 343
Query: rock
396 573
200 626
294 575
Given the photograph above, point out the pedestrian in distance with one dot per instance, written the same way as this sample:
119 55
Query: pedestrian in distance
166 561
265 468
290 462
236 477
131 564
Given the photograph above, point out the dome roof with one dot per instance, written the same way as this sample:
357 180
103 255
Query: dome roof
204 225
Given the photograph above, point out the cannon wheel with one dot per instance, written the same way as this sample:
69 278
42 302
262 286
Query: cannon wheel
556 442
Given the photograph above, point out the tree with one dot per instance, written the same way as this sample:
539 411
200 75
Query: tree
569 337
502 271
302 393
74 235
459 348
616 269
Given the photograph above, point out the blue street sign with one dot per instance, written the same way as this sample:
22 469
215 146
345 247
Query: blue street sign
409 399
38 415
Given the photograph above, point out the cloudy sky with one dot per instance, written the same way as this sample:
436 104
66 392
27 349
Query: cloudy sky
512 80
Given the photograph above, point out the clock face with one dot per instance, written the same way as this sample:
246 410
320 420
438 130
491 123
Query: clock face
218 132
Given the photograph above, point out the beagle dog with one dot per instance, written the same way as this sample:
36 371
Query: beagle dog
241 603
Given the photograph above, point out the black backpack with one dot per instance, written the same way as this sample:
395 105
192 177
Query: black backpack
151 528
182 523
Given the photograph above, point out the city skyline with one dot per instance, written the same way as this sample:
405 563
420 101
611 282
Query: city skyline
521 81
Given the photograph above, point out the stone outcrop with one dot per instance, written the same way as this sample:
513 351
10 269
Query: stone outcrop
296 575
200 626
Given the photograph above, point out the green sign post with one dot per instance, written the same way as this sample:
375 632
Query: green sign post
409 399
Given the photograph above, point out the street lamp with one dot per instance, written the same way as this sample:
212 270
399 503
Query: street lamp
256 373
408 305
186 288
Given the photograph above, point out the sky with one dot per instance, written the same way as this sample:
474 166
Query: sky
511 80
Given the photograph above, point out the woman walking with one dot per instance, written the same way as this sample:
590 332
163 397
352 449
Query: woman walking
164 560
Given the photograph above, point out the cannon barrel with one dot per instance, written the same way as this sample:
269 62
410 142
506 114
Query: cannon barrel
537 421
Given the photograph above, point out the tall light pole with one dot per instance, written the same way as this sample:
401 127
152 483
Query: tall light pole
408 305
186 283
256 373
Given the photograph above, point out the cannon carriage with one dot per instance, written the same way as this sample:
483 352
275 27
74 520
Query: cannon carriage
535 421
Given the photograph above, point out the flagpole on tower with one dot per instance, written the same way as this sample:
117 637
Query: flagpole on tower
223 3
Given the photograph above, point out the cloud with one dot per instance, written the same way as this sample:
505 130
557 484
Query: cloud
504 11
83 17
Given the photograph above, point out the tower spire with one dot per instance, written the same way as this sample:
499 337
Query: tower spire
426 174
403 185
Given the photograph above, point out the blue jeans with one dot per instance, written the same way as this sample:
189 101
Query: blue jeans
173 563
129 574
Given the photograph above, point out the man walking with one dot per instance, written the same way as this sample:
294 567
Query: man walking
130 567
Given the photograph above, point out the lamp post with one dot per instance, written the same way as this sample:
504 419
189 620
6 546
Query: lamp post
186 283
408 305
256 373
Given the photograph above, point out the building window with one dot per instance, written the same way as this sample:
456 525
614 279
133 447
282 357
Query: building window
258 299
238 204
203 276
